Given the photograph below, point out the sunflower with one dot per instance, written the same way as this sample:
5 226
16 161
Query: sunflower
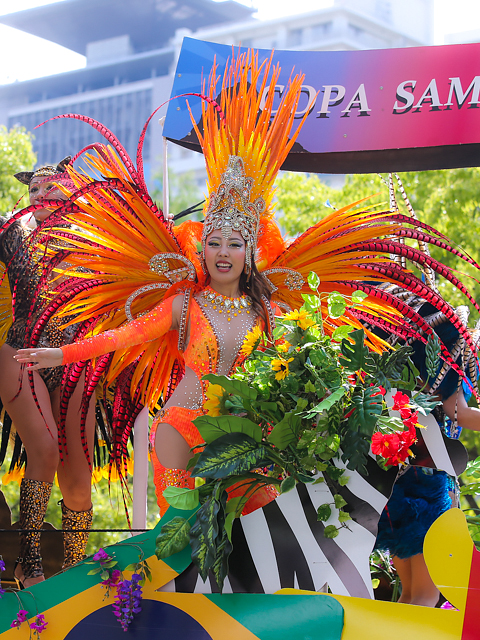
251 341
302 319
284 347
213 403
281 367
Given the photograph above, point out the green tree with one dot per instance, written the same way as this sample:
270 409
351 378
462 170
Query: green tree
16 154
184 191
448 200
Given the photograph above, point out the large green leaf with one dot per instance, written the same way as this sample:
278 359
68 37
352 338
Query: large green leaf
231 454
336 304
220 566
203 535
285 432
224 546
424 403
355 453
327 403
174 536
212 428
355 356
313 280
368 407
393 368
288 484
181 497
231 385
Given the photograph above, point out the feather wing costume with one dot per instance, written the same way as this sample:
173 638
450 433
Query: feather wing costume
138 260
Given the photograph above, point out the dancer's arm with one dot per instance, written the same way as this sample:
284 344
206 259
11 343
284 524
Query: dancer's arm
467 417
152 325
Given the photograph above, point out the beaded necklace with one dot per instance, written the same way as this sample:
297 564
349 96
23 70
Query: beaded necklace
221 303
229 335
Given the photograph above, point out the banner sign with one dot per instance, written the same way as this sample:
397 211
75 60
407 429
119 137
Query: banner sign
369 111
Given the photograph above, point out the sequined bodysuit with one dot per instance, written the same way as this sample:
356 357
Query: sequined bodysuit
214 340
24 274
213 344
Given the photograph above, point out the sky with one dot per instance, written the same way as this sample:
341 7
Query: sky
20 52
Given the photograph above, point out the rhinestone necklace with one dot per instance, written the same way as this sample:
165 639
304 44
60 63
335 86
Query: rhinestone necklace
224 304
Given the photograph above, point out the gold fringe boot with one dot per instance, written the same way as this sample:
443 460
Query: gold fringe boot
34 497
76 527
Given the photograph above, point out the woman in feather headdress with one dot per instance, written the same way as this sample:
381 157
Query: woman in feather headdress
185 313
34 405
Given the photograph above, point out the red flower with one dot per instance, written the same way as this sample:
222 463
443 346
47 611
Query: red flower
385 444
381 391
411 420
400 400
394 447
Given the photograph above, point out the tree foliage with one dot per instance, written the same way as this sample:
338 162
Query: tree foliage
16 154
448 200
184 191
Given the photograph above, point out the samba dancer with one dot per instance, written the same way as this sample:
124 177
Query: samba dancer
37 426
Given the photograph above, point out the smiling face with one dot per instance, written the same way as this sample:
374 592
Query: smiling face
41 189
225 260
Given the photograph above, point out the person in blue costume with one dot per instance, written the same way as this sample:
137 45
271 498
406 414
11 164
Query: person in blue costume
422 494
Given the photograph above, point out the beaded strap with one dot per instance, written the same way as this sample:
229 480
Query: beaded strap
182 329
270 315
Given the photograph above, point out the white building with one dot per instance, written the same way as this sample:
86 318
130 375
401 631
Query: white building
131 50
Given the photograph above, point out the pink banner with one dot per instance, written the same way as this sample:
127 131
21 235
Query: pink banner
376 110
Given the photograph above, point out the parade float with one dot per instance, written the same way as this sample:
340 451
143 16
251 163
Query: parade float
296 571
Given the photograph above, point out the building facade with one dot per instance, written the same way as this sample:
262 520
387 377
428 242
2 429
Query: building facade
131 51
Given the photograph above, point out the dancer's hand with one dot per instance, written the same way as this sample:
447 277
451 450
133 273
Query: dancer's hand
39 358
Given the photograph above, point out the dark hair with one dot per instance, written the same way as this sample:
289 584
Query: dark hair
255 287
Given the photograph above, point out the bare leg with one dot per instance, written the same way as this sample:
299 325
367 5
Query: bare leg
424 592
171 448
403 567
40 443
39 436
74 474
169 459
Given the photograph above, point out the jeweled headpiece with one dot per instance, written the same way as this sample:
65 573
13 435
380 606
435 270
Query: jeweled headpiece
245 146
230 208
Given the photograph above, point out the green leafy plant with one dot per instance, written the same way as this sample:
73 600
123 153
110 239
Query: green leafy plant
299 410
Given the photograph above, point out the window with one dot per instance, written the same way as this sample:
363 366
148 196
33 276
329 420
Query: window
123 114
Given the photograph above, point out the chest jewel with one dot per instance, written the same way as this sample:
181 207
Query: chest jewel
231 307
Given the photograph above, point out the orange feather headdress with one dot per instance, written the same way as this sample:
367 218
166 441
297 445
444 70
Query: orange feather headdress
245 146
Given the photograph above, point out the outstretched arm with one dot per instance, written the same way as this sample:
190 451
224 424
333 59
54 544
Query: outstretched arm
161 319
467 417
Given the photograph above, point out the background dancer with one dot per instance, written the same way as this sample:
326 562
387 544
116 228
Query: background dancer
37 425
421 494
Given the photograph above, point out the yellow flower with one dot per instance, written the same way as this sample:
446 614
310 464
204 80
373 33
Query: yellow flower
281 367
251 341
302 319
284 347
15 475
130 466
214 395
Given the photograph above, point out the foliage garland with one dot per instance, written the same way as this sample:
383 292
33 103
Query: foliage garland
299 410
